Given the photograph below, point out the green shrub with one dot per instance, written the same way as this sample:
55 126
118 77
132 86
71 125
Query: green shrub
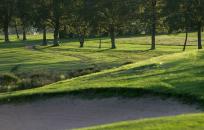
20 81
38 79
8 81
81 72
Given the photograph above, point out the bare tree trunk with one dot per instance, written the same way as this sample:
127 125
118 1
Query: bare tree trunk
16 29
56 33
100 43
153 46
186 39
44 37
63 33
81 40
6 33
112 35
24 33
100 38
200 36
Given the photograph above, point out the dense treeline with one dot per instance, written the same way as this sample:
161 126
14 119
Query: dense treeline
84 18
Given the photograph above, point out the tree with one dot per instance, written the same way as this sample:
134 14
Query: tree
197 8
41 17
24 12
15 25
149 17
178 16
114 13
154 3
6 13
185 14
97 23
81 18
57 8
152 14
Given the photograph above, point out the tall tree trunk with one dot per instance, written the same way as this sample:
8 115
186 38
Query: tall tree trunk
62 33
16 29
81 40
100 38
153 46
200 36
24 33
100 43
56 33
44 37
112 35
186 39
65 29
6 33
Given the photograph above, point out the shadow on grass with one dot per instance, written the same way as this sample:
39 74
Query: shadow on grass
20 43
96 50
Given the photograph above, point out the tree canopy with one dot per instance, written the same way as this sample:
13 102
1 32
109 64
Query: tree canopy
83 18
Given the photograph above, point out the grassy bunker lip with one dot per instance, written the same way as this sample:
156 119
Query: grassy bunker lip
102 93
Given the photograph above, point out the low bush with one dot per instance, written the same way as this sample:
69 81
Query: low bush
8 81
81 72
37 79
19 81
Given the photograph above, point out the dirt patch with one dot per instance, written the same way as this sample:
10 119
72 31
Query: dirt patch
31 47
67 113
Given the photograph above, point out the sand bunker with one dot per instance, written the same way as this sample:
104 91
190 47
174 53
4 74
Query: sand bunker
67 113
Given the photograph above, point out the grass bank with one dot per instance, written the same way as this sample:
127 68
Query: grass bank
183 122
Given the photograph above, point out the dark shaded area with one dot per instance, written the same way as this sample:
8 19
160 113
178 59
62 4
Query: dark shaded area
20 81
100 93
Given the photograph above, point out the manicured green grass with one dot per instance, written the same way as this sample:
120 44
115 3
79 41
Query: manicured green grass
69 56
179 74
184 122
169 74
68 60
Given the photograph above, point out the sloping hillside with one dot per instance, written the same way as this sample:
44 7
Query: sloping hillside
174 74
183 122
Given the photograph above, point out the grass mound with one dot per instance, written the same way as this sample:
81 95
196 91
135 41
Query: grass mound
184 122
166 75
